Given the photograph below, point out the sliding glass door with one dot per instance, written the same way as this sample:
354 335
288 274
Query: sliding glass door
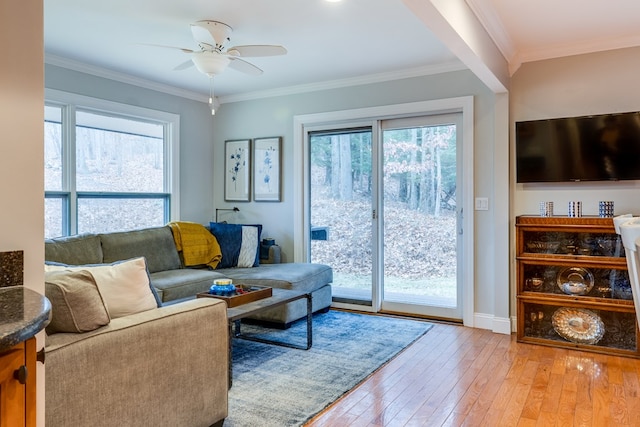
420 210
340 214
385 213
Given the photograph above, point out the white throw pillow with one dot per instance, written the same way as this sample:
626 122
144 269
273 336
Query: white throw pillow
249 247
124 286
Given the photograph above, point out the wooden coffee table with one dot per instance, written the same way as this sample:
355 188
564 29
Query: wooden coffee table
279 297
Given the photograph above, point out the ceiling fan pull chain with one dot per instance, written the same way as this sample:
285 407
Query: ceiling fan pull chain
211 103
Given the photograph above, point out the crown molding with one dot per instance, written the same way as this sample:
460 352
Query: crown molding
590 46
81 67
455 65
489 19
486 14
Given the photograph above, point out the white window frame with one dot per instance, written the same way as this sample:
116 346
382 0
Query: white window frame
70 102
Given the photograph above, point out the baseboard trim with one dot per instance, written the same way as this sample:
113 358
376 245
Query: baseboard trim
499 325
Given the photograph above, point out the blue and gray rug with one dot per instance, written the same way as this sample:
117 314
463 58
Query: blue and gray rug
278 386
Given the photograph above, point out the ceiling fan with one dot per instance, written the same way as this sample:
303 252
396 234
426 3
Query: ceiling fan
213 57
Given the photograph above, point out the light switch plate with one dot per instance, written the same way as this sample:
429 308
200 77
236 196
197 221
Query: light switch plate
482 203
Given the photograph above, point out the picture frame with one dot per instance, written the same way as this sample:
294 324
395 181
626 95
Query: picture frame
237 170
267 169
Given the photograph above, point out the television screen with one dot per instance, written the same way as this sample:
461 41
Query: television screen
591 148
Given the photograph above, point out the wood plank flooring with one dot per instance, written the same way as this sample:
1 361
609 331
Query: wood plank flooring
457 376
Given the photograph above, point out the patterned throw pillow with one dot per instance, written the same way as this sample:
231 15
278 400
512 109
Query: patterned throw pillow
239 244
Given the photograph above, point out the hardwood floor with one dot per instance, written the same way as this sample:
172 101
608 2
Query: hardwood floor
457 376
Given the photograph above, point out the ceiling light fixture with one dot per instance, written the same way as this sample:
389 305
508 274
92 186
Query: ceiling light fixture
210 63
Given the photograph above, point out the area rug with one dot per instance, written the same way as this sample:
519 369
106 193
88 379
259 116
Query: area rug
276 386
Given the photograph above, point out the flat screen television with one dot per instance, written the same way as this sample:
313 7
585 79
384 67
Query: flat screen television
590 148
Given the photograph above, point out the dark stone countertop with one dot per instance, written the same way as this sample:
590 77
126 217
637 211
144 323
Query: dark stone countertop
23 313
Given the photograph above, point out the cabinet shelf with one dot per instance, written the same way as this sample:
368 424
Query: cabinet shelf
617 263
571 276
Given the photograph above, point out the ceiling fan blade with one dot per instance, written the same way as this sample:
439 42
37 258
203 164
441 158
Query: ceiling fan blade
184 49
213 33
257 50
244 66
184 65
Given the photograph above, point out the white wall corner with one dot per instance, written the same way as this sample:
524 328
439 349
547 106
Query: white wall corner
514 324
495 324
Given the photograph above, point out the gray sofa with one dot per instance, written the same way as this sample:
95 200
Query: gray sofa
167 365
174 282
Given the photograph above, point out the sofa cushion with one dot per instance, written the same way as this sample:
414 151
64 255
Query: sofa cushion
306 277
80 249
156 244
185 282
76 303
240 244
125 285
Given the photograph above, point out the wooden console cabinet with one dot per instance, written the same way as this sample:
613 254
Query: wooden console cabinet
573 289
18 385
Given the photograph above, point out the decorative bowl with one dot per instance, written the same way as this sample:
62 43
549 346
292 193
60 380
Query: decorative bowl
534 283
222 290
575 281
578 325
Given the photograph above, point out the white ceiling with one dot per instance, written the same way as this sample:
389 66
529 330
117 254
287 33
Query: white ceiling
326 42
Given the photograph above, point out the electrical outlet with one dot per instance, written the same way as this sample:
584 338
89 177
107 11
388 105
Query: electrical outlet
482 203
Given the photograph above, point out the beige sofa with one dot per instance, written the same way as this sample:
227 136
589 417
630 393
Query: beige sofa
162 367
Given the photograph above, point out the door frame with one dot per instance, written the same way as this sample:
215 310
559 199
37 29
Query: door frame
301 124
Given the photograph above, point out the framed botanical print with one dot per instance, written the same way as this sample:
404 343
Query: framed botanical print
237 161
266 169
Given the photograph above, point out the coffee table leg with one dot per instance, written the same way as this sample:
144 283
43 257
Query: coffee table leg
309 322
237 333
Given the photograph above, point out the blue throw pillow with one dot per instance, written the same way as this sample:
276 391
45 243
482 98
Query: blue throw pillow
239 243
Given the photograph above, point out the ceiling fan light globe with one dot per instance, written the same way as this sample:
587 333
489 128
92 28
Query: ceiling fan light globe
210 63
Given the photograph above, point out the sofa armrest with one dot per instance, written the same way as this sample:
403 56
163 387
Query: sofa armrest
162 367
274 255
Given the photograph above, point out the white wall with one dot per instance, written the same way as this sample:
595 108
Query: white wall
274 117
597 83
21 152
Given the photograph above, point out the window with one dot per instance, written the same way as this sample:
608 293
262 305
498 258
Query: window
108 166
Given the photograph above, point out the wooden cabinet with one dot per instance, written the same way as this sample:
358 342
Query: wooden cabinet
573 289
18 385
